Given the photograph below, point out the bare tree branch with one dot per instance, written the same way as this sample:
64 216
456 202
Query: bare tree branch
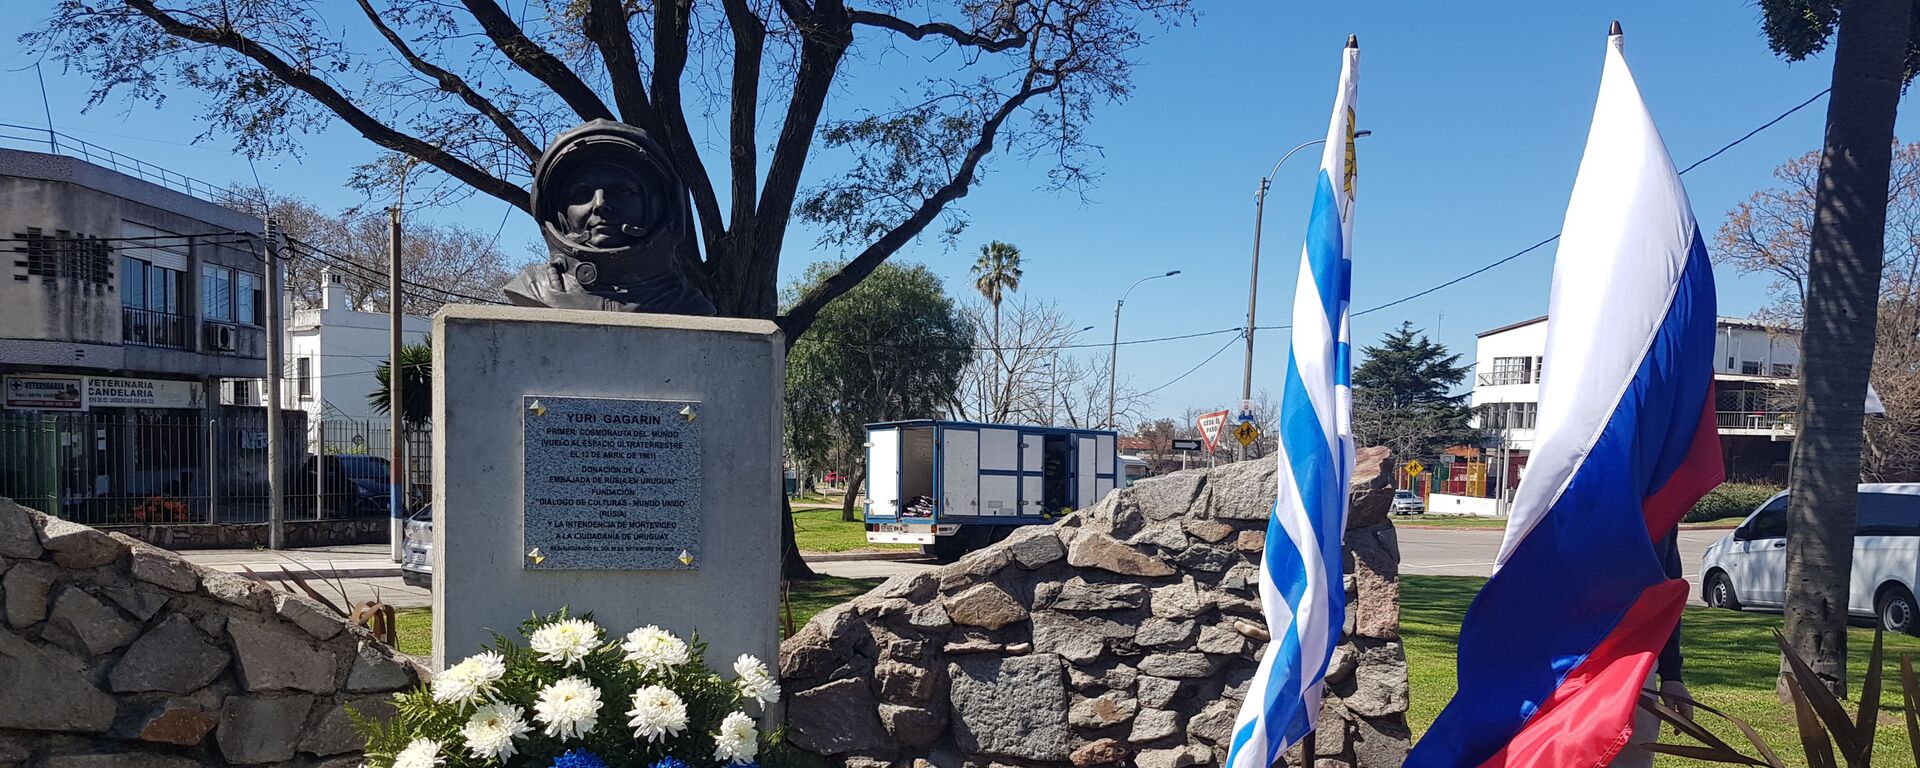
329 97
939 28
671 23
749 48
606 25
536 61
826 35
796 320
454 84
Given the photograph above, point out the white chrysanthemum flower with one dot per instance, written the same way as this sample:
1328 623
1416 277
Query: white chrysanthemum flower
492 729
420 753
470 680
567 642
756 681
654 649
738 740
569 708
657 713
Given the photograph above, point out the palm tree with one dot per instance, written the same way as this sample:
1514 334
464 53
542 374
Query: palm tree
995 274
416 386
1843 281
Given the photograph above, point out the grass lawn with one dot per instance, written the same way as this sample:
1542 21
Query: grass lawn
822 530
1731 665
808 597
1449 521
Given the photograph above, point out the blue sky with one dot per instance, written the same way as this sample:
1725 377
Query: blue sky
1479 112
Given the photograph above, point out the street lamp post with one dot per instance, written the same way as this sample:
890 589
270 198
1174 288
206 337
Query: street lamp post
1113 356
1253 279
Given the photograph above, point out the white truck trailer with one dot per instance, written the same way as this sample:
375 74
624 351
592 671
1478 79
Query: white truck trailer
955 486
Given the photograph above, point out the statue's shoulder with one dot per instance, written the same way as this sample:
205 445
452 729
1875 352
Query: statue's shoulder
530 288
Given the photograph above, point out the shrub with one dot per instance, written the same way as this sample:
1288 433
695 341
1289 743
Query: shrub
1730 500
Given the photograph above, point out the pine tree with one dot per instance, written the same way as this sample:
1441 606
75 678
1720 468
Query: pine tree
1402 396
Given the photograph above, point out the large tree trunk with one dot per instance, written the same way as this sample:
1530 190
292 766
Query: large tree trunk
1850 211
853 489
792 565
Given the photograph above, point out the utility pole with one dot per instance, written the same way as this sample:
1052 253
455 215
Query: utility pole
276 439
396 413
1253 294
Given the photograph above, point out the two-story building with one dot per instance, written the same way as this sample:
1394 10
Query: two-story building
332 355
1754 371
127 303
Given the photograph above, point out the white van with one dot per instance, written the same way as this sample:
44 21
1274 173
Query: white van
1748 567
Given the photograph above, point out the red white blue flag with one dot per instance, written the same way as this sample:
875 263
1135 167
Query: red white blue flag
1557 645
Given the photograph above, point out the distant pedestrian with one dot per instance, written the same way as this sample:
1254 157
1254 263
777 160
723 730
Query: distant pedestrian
1664 680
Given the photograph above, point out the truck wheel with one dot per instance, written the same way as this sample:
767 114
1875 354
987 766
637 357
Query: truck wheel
1897 612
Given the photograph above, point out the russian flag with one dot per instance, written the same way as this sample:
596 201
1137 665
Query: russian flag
1555 648
1300 591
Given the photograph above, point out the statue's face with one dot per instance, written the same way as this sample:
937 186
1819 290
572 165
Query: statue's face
603 207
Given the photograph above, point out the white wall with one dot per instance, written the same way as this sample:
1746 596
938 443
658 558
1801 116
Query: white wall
1735 346
1525 341
1449 504
345 347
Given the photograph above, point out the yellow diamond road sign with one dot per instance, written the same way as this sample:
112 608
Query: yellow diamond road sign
1246 433
1415 467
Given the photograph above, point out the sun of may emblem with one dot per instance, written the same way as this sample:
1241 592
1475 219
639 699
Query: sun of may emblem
1347 182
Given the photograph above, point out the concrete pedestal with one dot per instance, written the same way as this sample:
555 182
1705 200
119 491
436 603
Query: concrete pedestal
488 359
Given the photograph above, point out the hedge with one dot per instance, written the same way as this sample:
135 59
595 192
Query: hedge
1730 500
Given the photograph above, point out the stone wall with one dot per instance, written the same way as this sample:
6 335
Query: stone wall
117 654
1125 634
300 533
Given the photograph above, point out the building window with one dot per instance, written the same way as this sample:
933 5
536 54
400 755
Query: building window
149 287
63 255
1512 415
1783 369
1510 370
229 295
303 376
1750 367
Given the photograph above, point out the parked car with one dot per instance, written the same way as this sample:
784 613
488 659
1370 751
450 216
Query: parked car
833 478
357 485
416 550
1748 567
1406 502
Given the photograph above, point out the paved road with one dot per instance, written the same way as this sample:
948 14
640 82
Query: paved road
1461 552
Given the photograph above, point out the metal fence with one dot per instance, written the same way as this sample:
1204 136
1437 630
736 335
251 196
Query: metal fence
147 467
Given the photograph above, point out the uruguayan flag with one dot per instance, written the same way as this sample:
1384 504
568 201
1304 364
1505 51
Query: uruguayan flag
1300 571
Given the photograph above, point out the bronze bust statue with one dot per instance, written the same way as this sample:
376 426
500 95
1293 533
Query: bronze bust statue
612 212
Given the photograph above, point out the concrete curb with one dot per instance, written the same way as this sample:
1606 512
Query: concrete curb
275 574
840 557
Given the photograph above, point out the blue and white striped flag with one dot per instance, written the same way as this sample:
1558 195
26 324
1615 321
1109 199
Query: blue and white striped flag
1300 588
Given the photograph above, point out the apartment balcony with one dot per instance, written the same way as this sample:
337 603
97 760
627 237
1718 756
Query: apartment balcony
1503 378
1775 424
147 328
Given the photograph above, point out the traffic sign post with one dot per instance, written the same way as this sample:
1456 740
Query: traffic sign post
1210 424
1246 433
1414 468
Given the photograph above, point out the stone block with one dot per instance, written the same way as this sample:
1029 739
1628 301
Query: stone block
26 585
912 726
1210 531
1100 752
1096 550
1177 665
170 657
62 698
83 624
1176 757
903 683
163 568
984 605
259 729
1378 686
1079 639
835 719
1033 546
1171 496
179 725
1168 536
1157 632
273 659
1011 707
1380 742
333 733
1243 490
309 615
237 590
1103 711
1077 594
1214 722
374 671
118 760
77 546
1178 601
1153 725
1376 575
1157 691
932 616
19 538
141 603
1222 639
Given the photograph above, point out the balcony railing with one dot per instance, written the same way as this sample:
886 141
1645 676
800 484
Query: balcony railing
147 328
1499 378
1756 421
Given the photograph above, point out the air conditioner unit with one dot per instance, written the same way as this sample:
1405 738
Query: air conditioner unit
222 338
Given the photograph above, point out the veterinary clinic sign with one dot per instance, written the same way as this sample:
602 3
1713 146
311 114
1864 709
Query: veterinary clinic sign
79 393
